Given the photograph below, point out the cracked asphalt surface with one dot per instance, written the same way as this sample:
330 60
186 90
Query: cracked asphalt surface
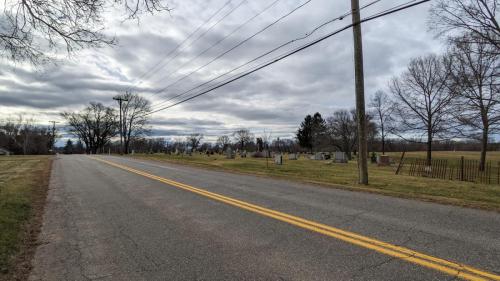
104 223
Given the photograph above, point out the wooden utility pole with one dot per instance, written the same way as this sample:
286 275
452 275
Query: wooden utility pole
360 94
120 100
53 141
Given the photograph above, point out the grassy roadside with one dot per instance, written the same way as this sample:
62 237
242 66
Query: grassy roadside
23 188
344 176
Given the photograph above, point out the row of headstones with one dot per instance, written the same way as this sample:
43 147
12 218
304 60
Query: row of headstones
338 157
341 157
230 154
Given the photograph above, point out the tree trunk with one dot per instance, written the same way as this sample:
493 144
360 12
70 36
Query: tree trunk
429 149
383 144
127 145
484 148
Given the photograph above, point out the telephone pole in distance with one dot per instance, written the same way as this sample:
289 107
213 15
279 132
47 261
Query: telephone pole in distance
53 134
120 100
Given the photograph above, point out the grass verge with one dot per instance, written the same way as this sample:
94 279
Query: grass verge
23 189
344 176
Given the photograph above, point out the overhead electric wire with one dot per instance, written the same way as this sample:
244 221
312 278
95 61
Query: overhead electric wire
180 44
269 52
301 48
163 63
221 40
236 46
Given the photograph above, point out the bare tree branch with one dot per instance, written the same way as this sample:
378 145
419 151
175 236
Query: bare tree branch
31 29
452 18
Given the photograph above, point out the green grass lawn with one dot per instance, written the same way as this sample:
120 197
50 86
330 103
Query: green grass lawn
382 179
23 185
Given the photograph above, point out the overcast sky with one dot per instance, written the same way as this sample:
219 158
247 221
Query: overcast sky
276 99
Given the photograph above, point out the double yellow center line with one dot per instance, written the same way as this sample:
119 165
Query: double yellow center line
448 267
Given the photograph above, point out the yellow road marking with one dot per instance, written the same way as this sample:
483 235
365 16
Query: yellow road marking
448 267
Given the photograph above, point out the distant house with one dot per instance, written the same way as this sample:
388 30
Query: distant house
4 152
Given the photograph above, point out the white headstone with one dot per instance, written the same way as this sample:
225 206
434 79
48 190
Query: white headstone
340 157
278 159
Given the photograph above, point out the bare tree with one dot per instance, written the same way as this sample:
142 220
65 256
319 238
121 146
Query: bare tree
31 29
95 125
179 144
475 73
243 137
343 131
423 100
194 141
266 139
223 142
383 109
476 17
135 118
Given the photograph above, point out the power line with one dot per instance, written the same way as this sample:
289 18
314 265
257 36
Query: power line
268 52
163 64
220 40
301 48
180 44
277 56
236 46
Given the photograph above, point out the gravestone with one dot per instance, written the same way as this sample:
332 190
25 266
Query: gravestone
278 159
340 157
267 154
292 156
229 153
383 160
318 156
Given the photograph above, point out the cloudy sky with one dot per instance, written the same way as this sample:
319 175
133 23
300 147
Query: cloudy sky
275 99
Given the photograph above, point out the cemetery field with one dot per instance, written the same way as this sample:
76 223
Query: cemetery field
23 188
382 179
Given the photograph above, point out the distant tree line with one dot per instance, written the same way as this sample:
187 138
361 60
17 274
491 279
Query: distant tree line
23 136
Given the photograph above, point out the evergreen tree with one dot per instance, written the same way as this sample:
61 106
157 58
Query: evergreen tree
311 131
68 148
304 134
318 130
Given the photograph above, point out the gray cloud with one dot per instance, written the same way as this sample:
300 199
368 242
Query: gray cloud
320 78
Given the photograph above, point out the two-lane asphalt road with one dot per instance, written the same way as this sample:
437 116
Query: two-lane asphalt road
112 218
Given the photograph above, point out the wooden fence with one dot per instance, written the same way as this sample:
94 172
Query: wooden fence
461 170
